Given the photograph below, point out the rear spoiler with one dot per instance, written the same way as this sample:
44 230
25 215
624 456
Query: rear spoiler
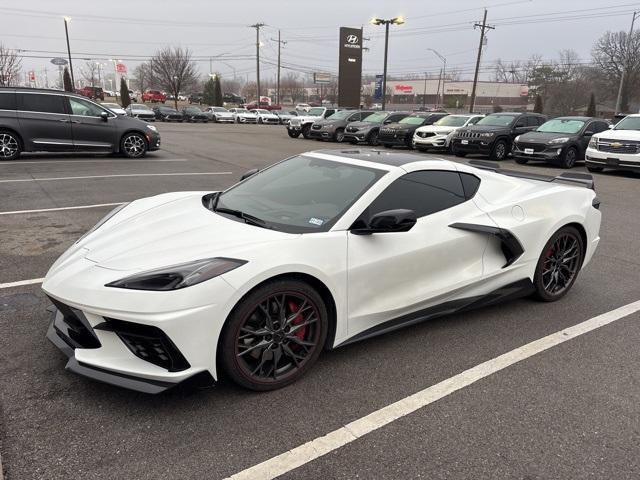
582 179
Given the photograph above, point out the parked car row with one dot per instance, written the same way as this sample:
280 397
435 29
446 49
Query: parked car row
561 141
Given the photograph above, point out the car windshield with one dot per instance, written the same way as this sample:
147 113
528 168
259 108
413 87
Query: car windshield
412 120
452 121
341 115
628 123
497 120
241 110
559 125
192 110
302 194
167 110
262 112
376 117
315 112
218 109
140 107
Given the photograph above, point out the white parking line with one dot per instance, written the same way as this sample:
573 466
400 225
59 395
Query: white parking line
57 209
50 179
21 283
30 162
303 454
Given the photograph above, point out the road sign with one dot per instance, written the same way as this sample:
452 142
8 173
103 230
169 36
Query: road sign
59 61
121 68
321 78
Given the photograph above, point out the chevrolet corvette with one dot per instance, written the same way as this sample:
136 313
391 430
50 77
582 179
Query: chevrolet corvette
312 253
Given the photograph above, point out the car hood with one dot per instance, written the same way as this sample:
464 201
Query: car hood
619 134
436 129
163 233
307 118
401 126
364 125
328 121
246 114
543 137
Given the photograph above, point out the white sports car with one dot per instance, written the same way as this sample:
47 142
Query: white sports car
317 251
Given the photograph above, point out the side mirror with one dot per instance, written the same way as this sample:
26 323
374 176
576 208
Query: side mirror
104 116
249 173
400 220
611 127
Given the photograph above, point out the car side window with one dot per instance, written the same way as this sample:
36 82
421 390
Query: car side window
598 127
354 118
36 102
395 118
532 122
470 184
84 108
7 101
521 122
474 120
425 192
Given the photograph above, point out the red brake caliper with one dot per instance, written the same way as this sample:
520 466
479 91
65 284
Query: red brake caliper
297 321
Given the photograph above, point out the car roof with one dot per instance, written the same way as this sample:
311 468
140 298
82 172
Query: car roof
571 117
371 155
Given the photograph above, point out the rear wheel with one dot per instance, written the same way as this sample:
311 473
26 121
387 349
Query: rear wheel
274 335
133 145
569 157
500 150
559 264
9 145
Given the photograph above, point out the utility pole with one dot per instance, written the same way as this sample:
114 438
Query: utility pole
280 43
66 32
483 28
625 65
257 27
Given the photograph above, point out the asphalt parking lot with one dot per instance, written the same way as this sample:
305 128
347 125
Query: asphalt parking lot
570 411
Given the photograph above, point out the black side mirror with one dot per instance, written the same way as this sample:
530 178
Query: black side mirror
400 220
104 116
249 173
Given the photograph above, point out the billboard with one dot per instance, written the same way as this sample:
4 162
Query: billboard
121 68
321 78
377 94
350 67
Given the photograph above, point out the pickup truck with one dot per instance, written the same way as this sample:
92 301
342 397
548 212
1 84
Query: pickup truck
94 93
154 96
302 123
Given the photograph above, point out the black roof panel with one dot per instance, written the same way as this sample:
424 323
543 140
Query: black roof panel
395 159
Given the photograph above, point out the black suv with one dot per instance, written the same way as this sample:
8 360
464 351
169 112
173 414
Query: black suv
194 114
38 120
494 134
561 140
401 133
367 129
332 128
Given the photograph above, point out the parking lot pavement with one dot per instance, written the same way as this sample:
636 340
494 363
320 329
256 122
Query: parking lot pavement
567 410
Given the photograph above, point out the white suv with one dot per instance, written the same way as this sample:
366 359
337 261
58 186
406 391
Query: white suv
617 148
439 134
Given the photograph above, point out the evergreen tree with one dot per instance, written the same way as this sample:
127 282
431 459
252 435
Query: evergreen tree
125 99
538 107
591 109
217 101
209 94
66 80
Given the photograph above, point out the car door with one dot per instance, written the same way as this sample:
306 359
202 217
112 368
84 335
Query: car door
392 275
90 128
44 121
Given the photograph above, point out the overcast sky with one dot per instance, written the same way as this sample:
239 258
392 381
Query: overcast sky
133 30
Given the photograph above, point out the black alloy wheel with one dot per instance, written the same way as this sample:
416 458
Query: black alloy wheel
500 150
306 131
373 138
9 146
133 145
293 134
339 135
559 264
569 157
274 335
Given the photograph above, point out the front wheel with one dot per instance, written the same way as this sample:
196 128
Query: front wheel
133 145
339 135
274 335
306 132
293 134
9 146
559 264
569 157
500 150
373 139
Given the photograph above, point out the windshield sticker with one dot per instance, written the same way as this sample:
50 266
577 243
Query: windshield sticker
316 221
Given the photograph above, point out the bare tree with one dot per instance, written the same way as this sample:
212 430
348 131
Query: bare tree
143 77
90 72
10 66
174 70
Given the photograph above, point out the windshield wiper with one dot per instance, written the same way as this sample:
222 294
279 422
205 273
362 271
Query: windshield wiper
249 219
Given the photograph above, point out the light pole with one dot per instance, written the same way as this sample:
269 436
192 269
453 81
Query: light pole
66 31
625 65
386 23
444 71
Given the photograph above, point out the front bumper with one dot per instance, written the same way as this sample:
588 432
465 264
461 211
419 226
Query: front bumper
617 161
472 145
435 141
153 141
386 139
247 120
321 134
357 136
537 151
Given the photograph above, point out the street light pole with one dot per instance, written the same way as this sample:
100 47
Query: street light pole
625 65
66 31
257 27
443 72
386 23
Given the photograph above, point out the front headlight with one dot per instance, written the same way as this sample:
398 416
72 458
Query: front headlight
152 128
487 134
593 143
557 141
104 220
517 139
178 276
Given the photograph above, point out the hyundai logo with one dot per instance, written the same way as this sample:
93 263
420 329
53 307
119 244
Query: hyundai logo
352 39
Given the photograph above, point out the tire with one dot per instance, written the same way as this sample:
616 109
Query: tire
258 319
338 136
595 169
568 158
260 121
10 145
459 154
522 161
559 264
306 130
133 145
293 134
499 151
372 139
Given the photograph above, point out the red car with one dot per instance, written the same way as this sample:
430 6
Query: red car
264 105
154 96
93 93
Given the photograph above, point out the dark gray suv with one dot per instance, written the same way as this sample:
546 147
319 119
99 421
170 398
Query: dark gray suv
37 120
